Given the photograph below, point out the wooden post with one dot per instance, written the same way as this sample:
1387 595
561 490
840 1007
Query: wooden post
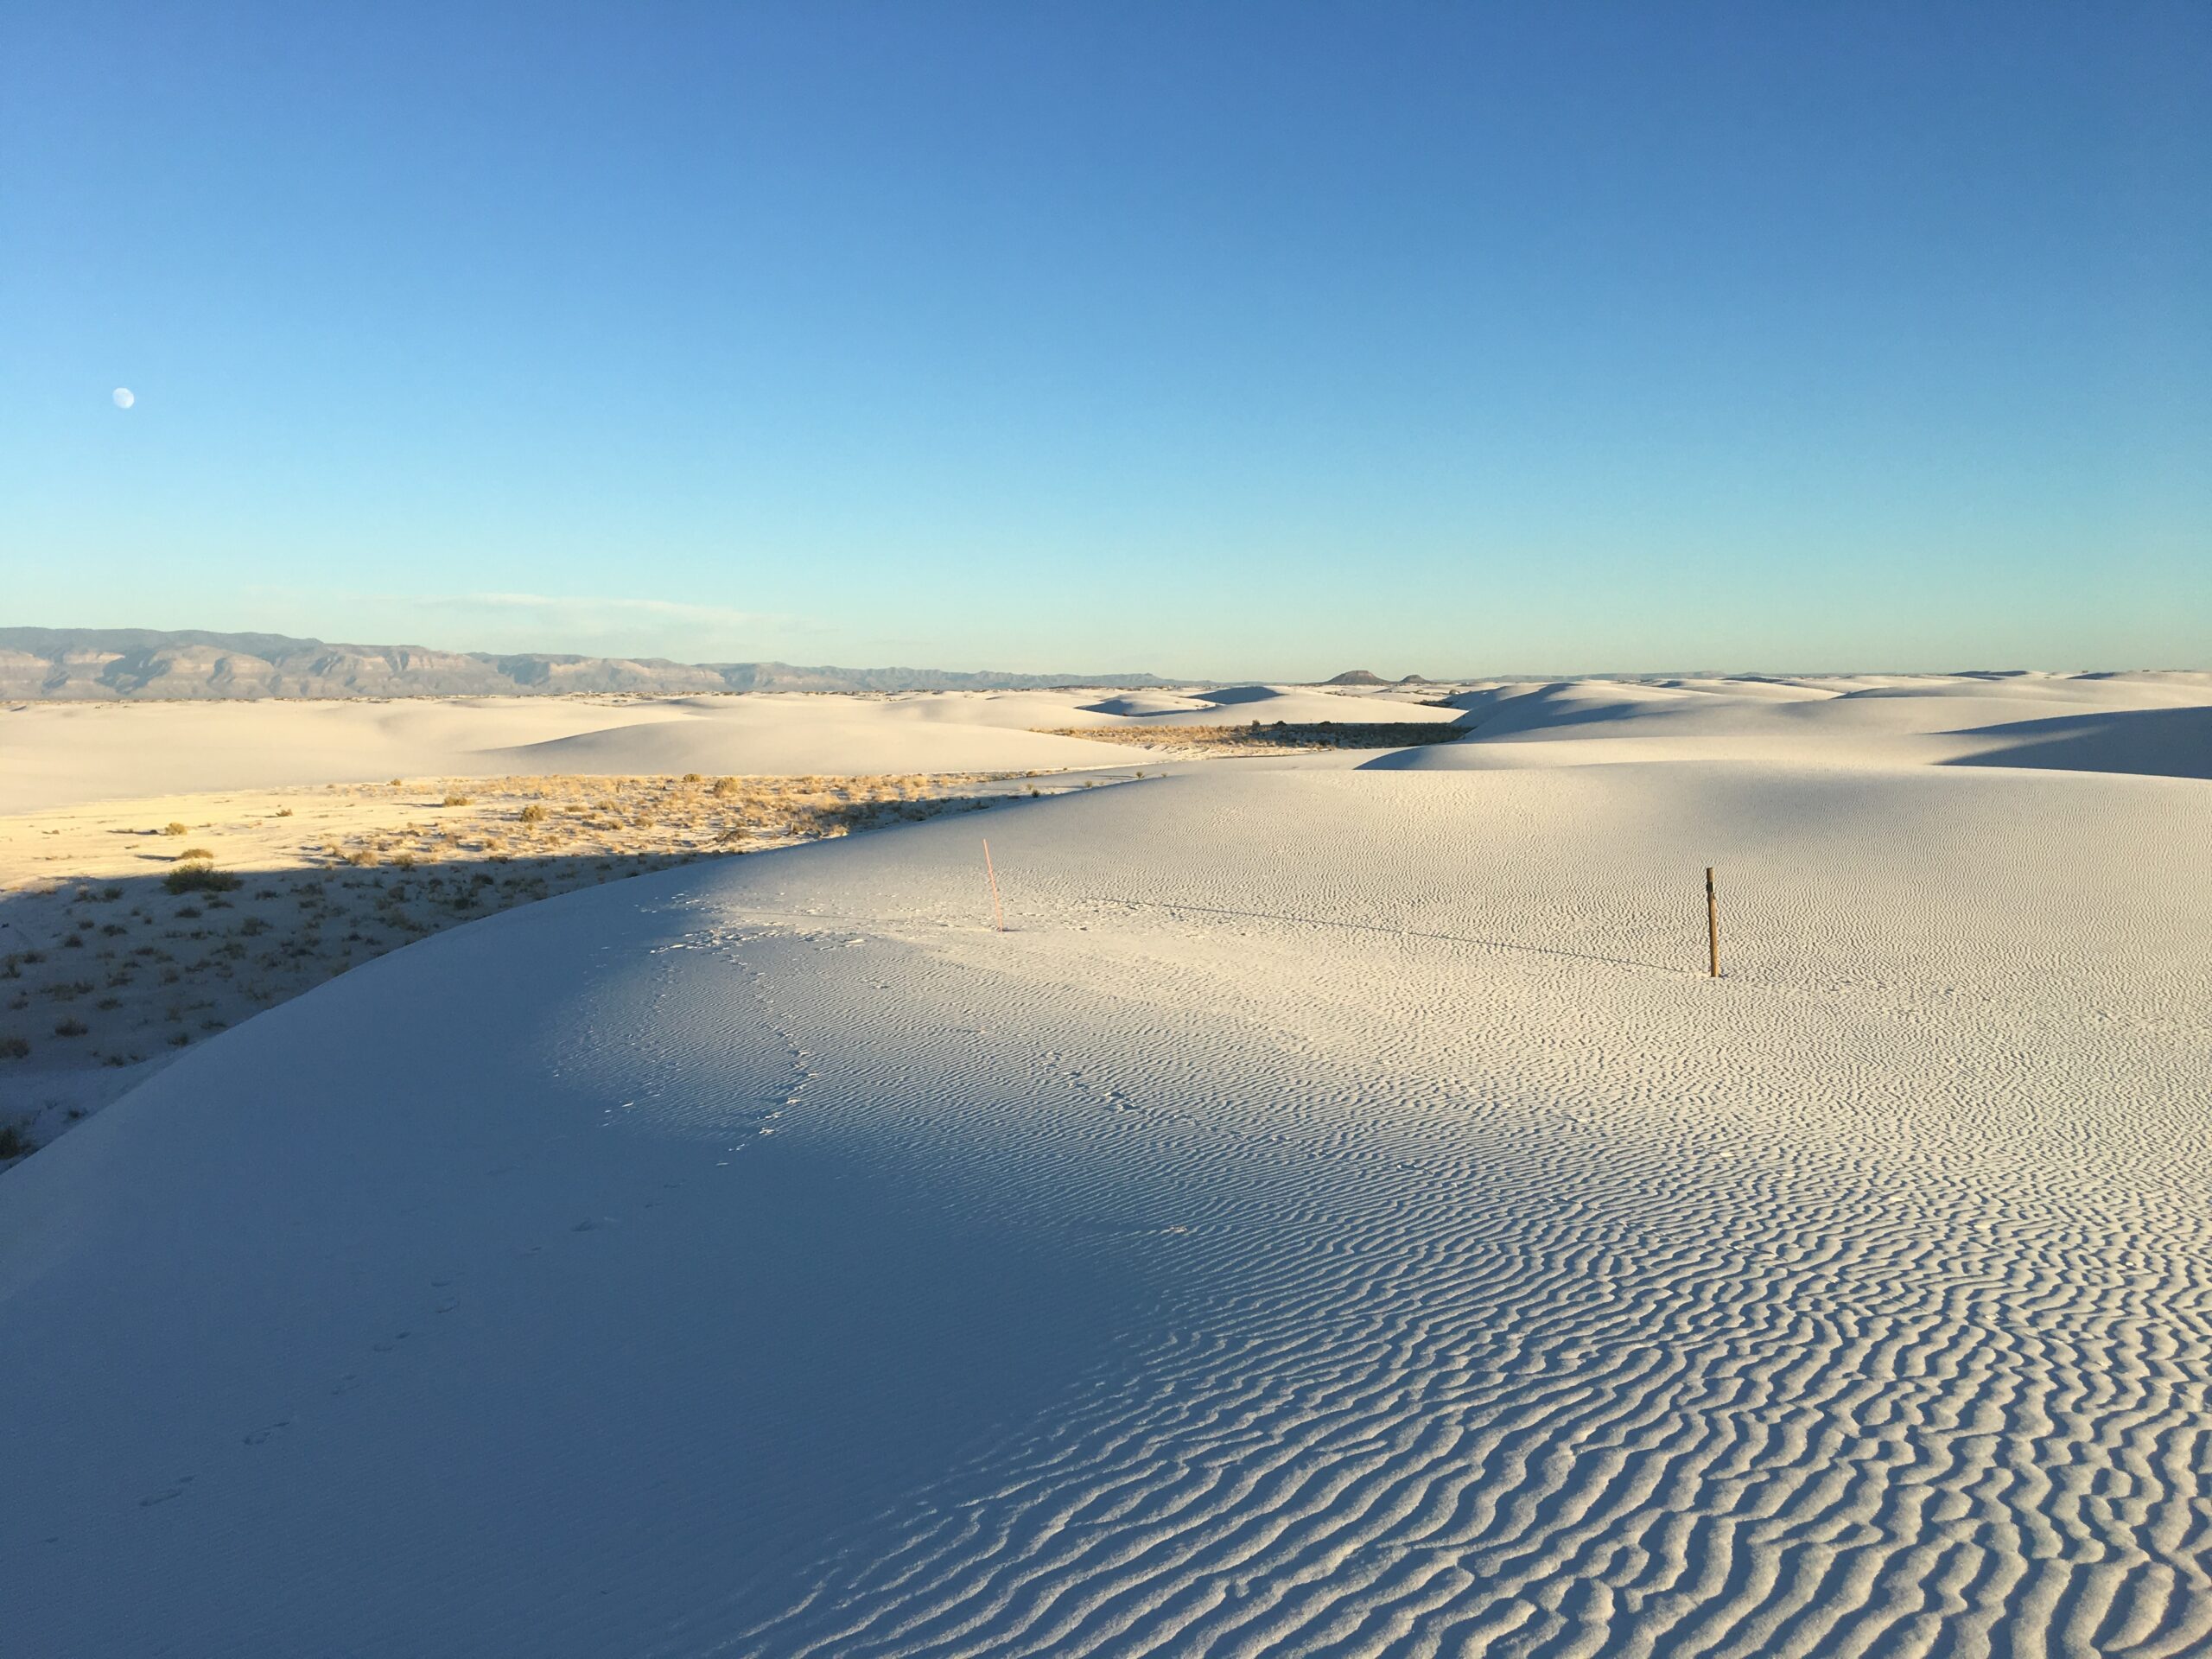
1712 925
998 911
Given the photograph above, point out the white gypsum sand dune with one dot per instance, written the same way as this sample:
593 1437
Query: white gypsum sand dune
57 754
1339 1215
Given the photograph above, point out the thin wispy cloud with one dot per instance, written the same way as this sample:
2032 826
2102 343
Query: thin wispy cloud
589 624
566 614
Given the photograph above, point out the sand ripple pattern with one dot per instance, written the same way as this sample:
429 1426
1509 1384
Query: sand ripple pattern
1338 1218
1459 1357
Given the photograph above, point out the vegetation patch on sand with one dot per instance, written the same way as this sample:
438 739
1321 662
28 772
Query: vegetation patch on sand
116 951
1253 738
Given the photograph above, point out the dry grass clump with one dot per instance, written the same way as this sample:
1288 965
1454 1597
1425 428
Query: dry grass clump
1253 738
173 828
455 797
198 877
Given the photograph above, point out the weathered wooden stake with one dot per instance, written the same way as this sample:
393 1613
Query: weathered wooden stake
1712 925
998 910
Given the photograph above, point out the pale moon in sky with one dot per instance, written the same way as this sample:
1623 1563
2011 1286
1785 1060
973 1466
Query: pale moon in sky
124 397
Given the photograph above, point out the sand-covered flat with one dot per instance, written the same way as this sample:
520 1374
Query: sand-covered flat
1337 1215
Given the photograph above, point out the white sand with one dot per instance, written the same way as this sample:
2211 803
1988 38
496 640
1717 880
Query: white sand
55 754
1339 1217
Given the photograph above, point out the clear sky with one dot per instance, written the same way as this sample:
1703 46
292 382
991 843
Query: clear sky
1209 338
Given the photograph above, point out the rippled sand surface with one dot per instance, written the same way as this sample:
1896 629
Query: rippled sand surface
1339 1215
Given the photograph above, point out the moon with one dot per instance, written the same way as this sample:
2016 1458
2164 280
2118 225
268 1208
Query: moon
124 397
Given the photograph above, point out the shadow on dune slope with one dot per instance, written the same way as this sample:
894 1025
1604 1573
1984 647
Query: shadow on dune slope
493 1265
2155 742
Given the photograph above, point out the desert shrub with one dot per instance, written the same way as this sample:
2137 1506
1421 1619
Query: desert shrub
360 857
196 855
14 1048
74 942
188 912
179 1038
532 814
454 799
251 925
199 878
726 786
70 1026
173 828
108 1004
693 778
13 1142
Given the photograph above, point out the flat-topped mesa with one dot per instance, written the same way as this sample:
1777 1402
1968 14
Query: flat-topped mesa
1356 677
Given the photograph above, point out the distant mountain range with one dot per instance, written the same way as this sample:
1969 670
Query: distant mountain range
94 663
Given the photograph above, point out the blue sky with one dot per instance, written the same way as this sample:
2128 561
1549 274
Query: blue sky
1214 339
